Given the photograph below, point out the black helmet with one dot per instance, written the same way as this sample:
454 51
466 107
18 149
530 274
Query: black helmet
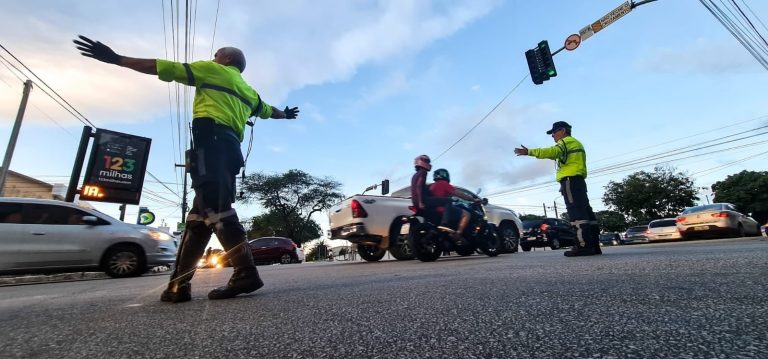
441 174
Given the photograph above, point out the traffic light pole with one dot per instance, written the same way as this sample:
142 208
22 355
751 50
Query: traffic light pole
540 63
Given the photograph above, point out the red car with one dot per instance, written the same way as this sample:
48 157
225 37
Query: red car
275 250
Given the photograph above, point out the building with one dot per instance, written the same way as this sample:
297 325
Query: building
19 185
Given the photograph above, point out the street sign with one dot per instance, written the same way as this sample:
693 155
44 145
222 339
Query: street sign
606 20
572 42
116 169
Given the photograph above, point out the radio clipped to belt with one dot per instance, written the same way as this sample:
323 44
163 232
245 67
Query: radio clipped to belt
245 160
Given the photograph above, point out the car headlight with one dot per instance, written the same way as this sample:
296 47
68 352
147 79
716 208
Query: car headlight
156 235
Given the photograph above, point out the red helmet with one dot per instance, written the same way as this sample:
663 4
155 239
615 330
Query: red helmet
423 162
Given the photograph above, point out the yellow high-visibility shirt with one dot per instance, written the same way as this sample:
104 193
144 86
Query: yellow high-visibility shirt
569 154
220 92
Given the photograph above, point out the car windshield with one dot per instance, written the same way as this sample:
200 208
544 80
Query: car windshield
662 223
637 229
704 208
533 223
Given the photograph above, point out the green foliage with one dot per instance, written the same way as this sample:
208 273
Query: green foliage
318 252
292 197
747 190
272 224
527 217
611 221
645 196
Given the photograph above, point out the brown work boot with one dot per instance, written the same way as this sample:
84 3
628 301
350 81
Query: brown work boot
181 293
577 251
242 281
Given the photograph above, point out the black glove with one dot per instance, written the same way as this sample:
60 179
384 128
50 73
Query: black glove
96 50
291 113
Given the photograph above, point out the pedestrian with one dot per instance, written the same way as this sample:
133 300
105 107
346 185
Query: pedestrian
222 105
571 173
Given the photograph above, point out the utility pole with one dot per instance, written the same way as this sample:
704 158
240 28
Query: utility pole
14 135
554 203
184 196
545 208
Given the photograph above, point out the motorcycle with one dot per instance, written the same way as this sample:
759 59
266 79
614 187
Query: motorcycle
428 240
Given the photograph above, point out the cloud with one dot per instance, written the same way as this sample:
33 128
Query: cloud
485 158
304 49
703 56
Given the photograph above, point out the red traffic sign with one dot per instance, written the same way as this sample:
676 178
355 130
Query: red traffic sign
572 42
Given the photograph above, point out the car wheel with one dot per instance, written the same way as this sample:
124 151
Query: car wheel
398 242
286 259
526 248
371 253
511 237
554 243
124 261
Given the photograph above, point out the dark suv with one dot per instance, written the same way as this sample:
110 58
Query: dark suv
548 232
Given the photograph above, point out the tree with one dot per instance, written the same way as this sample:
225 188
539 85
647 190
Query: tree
527 217
271 224
747 190
611 221
293 197
645 196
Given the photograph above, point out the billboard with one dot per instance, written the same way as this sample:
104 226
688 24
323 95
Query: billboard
116 168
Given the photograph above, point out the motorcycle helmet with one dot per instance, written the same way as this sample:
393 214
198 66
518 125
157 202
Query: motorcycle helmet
423 162
441 174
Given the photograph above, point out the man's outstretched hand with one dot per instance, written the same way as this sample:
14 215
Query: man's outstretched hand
96 50
521 151
291 113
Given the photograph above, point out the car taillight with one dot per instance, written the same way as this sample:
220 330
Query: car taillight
543 227
680 219
412 208
720 215
648 231
357 210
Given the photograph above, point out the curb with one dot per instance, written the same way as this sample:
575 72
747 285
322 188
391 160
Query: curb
67 277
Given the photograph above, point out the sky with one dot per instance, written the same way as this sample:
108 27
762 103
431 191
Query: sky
380 82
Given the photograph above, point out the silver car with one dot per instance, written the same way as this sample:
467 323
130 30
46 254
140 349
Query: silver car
717 219
663 230
45 235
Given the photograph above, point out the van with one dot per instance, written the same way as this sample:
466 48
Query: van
38 235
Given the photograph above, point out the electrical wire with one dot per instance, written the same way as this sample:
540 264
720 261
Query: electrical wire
484 118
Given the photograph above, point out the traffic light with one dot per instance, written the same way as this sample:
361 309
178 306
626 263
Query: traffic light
384 187
540 63
546 58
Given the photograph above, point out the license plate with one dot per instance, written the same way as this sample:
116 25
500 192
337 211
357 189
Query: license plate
700 228
406 227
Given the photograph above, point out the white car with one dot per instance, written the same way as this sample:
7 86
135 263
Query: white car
41 235
663 230
716 220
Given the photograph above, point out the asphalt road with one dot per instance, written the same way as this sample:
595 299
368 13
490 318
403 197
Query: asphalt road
672 300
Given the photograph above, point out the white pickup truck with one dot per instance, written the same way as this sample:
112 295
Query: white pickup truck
375 224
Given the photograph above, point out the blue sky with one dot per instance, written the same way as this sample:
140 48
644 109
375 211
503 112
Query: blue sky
379 82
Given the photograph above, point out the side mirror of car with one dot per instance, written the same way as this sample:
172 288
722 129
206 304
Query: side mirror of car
90 220
485 201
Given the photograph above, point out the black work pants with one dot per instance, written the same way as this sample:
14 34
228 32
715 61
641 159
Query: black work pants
574 191
213 165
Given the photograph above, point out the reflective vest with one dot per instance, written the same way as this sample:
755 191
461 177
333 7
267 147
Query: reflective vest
569 154
220 92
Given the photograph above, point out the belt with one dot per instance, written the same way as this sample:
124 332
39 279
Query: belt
215 128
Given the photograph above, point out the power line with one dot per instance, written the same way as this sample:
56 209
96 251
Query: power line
48 86
484 117
215 22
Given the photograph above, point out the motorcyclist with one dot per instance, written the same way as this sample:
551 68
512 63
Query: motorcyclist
442 189
419 189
